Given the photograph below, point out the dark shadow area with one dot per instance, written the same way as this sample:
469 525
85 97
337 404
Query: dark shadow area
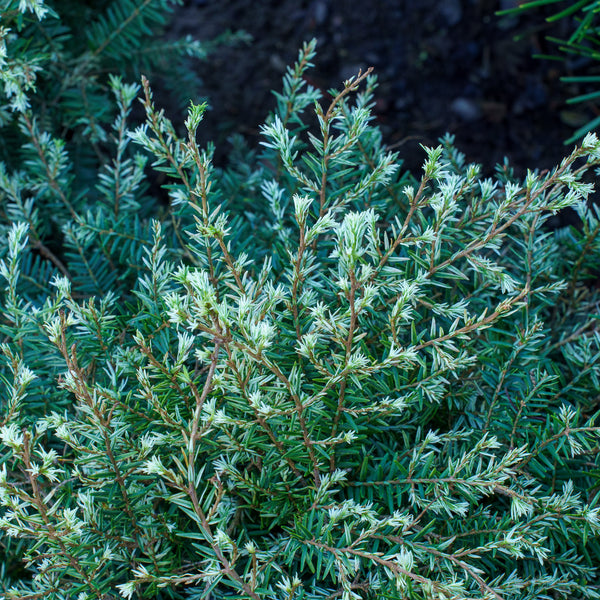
443 65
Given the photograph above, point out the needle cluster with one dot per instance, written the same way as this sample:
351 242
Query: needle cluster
315 376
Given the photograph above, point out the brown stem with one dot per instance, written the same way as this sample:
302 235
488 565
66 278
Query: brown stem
47 253
52 532
50 176
348 344
325 128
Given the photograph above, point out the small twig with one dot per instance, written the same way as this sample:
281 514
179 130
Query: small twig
47 253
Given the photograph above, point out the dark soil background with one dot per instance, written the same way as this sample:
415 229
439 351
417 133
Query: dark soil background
443 66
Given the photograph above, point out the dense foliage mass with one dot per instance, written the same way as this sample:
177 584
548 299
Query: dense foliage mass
312 377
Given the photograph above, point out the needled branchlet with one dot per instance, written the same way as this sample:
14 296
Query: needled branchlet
311 376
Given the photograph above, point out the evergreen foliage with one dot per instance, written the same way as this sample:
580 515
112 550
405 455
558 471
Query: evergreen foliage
583 43
313 377
63 110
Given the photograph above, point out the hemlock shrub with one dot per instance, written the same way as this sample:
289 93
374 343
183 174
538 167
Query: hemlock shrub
315 377
60 65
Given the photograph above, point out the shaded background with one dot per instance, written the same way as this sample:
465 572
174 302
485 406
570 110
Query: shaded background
443 65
